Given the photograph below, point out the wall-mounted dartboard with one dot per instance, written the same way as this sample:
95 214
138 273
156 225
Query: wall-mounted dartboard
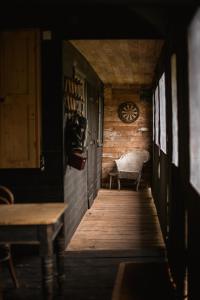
128 112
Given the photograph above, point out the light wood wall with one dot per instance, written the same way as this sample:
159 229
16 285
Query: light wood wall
20 99
120 137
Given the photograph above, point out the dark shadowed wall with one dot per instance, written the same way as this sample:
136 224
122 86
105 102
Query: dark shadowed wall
76 181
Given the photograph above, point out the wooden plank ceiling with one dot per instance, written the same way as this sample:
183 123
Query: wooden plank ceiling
122 62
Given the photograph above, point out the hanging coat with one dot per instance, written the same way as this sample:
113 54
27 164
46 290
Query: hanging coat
75 133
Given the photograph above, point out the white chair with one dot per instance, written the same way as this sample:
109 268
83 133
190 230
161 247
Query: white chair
129 165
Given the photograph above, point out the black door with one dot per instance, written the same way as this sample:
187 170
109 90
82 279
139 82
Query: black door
92 113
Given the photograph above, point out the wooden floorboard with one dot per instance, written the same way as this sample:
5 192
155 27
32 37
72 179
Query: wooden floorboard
119 221
121 226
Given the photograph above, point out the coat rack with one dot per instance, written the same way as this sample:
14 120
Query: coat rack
72 95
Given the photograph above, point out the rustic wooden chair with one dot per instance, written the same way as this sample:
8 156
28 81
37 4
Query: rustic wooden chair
6 197
129 165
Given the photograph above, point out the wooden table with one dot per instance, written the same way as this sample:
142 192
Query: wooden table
37 223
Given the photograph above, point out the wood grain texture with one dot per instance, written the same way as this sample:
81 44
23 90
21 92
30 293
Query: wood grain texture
31 214
120 137
20 88
121 61
76 182
119 220
87 278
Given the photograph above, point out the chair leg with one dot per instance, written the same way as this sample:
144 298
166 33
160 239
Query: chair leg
138 181
137 185
12 272
119 185
110 185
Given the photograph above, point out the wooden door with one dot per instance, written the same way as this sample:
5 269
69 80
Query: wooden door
19 99
92 146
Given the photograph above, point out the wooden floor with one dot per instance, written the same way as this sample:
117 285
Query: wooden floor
121 226
122 221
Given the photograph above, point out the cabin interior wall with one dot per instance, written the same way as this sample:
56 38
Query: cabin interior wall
76 181
120 137
44 184
171 186
36 186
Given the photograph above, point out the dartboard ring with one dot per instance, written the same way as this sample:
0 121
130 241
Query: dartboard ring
128 112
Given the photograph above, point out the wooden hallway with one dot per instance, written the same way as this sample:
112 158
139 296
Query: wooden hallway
122 226
85 86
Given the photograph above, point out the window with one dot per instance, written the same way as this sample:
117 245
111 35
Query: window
194 100
174 111
163 136
153 115
157 117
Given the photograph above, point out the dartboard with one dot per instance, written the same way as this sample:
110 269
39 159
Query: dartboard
128 112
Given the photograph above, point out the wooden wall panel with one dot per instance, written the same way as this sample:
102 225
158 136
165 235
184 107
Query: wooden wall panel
76 191
20 94
120 137
75 194
35 184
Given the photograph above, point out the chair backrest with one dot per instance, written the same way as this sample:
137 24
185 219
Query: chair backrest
132 161
6 196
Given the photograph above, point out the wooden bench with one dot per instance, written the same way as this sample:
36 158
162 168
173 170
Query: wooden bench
143 281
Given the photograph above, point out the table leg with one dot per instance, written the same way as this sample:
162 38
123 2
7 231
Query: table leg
47 274
47 261
60 255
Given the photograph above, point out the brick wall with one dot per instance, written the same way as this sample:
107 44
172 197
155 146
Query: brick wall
120 137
